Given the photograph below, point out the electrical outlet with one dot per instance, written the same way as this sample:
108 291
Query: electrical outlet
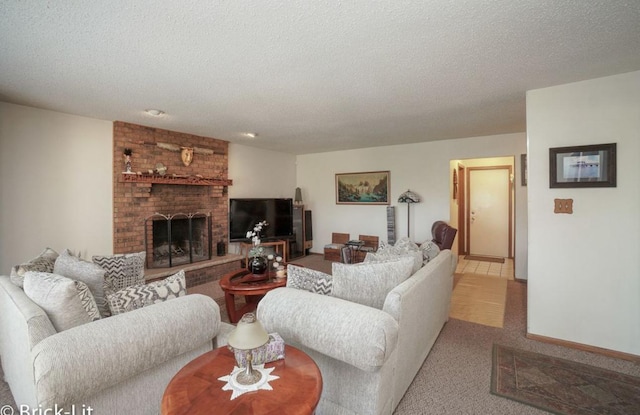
563 206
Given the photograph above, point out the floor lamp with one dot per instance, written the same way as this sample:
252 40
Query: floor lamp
408 197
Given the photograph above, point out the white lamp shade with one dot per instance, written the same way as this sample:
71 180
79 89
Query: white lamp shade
249 333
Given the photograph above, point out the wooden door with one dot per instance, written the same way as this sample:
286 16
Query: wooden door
489 210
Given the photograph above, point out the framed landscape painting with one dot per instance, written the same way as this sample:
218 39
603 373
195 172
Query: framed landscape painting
368 188
583 166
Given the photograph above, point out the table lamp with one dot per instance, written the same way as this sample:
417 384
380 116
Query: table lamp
248 335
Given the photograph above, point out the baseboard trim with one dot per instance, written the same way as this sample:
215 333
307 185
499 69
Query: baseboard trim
584 347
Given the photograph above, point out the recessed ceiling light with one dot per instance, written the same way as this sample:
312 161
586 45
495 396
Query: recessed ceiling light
251 135
154 112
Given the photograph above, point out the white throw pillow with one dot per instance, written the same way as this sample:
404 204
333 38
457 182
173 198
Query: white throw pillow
429 250
405 244
416 256
42 263
78 269
368 283
68 303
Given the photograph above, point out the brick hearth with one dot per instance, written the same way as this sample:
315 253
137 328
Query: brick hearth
136 200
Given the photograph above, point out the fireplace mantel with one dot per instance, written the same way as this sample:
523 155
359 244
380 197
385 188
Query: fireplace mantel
175 179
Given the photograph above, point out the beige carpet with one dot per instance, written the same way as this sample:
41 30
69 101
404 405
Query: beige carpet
479 299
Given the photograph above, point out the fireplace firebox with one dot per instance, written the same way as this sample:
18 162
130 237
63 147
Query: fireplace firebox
177 239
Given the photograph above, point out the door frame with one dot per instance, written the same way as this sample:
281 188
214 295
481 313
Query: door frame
467 197
462 207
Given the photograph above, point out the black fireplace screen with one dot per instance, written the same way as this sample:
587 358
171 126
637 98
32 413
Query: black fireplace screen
182 238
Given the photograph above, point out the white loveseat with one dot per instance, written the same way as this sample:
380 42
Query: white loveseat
368 357
116 365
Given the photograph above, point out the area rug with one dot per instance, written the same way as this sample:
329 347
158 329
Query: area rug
561 386
484 258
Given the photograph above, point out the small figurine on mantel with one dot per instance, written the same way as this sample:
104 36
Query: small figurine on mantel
187 155
127 160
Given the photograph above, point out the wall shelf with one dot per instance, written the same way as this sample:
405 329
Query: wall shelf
175 179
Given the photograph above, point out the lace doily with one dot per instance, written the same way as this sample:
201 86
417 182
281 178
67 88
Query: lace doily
238 389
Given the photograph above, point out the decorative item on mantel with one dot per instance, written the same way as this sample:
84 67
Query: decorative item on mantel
258 262
127 160
186 153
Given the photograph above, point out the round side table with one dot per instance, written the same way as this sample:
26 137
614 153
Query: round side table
195 389
252 287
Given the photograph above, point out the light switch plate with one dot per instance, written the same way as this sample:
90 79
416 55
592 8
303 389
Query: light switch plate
563 206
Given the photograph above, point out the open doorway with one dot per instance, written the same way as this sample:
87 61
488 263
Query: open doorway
482 209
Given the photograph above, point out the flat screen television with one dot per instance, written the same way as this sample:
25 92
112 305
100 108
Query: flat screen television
245 213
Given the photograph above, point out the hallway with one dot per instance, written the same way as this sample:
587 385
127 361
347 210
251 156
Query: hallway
480 289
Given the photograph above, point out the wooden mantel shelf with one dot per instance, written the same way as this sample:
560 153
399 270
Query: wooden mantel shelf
177 179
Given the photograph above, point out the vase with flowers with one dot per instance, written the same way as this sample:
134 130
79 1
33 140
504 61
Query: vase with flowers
258 261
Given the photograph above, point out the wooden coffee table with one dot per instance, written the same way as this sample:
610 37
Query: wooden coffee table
252 287
195 389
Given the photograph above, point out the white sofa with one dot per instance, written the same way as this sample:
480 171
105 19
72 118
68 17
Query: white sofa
368 357
116 365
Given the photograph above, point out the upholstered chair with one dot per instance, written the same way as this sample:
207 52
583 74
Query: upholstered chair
443 234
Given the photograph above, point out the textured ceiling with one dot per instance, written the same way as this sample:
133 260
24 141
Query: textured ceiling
310 76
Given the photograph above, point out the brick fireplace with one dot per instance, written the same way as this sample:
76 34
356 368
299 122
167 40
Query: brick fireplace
200 187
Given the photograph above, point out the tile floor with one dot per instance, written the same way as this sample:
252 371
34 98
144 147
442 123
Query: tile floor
466 266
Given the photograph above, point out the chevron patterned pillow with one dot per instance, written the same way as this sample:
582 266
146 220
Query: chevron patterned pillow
309 280
122 270
143 295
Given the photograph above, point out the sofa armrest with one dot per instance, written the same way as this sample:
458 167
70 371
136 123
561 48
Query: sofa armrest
361 336
77 363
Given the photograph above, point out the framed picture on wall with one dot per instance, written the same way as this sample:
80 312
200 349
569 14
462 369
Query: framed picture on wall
368 188
583 166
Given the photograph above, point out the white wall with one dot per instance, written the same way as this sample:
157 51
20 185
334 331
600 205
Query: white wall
422 167
55 184
584 268
260 173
